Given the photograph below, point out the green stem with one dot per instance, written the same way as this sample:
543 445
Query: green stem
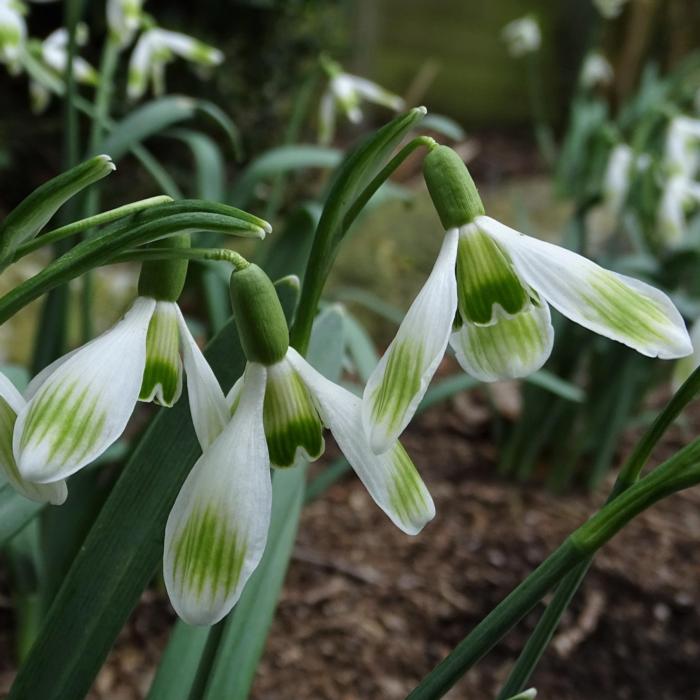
200 254
326 244
677 473
544 630
87 224
543 131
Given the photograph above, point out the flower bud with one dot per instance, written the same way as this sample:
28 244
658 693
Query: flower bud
451 188
259 316
163 280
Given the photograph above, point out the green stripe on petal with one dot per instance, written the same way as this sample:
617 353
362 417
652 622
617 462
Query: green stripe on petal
162 376
408 496
486 280
512 347
614 305
292 425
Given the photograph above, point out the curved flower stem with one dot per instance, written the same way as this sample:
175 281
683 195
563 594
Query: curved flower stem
88 223
679 472
629 474
200 254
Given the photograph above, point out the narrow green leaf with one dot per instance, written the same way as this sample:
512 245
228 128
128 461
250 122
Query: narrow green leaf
288 289
444 125
556 385
15 512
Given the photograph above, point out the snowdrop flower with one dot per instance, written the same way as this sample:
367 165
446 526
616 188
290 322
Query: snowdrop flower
684 367
155 49
522 36
54 53
616 181
124 19
682 148
596 71
216 532
498 284
11 404
13 33
346 92
679 194
529 694
609 8
79 405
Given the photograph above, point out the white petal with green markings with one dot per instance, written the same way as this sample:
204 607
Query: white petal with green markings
391 478
402 376
208 407
216 532
162 376
512 347
614 305
84 406
11 403
292 425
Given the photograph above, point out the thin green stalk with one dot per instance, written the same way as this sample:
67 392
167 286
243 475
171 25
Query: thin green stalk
543 131
677 473
544 630
82 225
200 254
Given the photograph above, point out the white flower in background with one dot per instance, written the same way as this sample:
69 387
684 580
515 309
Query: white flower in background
13 33
124 19
11 404
279 408
156 48
529 694
54 53
596 71
498 283
684 367
682 148
345 93
522 36
616 181
610 8
678 196
79 405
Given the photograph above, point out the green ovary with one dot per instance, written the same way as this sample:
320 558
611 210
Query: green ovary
400 383
208 553
162 376
485 277
290 418
406 491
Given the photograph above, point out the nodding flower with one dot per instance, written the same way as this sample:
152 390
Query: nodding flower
522 36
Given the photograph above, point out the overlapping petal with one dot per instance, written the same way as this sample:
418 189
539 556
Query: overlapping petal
208 407
216 532
11 403
513 346
614 305
391 478
402 376
85 404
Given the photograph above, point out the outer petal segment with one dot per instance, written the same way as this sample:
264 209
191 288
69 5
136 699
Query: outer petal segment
391 478
11 403
402 376
216 532
513 346
84 406
614 305
208 407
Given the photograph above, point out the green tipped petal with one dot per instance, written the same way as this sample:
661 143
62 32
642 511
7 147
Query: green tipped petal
10 404
162 377
487 284
216 532
514 346
84 405
292 425
614 305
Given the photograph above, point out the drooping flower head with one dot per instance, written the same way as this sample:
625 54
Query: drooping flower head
275 415
522 36
80 404
156 48
124 19
679 195
489 295
682 148
610 9
345 94
596 71
13 33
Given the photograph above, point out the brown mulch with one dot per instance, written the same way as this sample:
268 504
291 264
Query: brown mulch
366 611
